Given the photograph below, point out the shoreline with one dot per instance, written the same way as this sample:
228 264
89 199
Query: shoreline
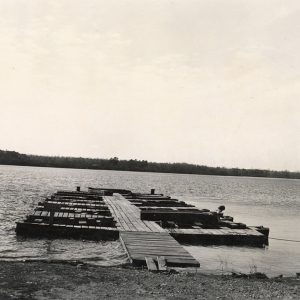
115 164
76 280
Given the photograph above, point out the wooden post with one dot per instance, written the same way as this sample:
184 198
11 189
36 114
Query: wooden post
152 191
52 208
51 217
162 264
151 264
78 189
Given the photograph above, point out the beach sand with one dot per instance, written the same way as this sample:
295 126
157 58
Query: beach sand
74 280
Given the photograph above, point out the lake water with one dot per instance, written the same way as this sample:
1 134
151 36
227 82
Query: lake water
274 203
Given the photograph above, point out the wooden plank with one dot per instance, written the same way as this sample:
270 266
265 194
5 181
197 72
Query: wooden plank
158 251
147 236
160 235
174 261
183 262
167 258
152 245
156 234
38 220
151 240
128 215
144 239
155 254
159 247
151 265
154 227
162 264
139 245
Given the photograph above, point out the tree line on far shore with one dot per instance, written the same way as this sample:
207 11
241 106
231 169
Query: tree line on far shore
15 158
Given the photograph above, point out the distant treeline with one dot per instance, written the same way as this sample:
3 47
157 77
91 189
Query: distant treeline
15 158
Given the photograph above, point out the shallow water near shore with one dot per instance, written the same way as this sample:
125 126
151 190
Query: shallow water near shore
274 203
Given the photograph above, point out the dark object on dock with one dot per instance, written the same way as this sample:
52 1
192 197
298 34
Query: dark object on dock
221 208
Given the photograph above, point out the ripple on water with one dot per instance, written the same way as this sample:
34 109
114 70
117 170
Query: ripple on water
256 201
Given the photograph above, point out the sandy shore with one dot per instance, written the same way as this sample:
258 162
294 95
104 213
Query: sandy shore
41 280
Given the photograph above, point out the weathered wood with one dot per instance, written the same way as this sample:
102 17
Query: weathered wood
151 244
162 263
160 203
56 230
233 225
140 221
108 191
185 217
171 261
127 216
102 211
226 236
151 265
168 208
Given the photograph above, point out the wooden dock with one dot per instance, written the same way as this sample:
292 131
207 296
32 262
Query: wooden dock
149 226
191 225
145 242
72 215
156 247
127 216
220 236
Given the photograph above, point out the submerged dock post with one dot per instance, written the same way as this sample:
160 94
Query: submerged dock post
52 208
51 218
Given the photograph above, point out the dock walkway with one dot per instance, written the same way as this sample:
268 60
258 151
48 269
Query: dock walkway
145 241
127 215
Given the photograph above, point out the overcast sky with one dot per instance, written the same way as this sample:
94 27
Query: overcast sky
207 82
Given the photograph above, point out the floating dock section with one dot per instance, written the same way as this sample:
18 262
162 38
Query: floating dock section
71 214
149 226
190 225
145 241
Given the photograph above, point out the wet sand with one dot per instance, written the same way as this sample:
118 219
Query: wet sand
73 280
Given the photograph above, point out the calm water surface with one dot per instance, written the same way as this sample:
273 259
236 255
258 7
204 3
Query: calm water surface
274 203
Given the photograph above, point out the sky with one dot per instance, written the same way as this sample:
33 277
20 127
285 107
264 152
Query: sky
209 82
